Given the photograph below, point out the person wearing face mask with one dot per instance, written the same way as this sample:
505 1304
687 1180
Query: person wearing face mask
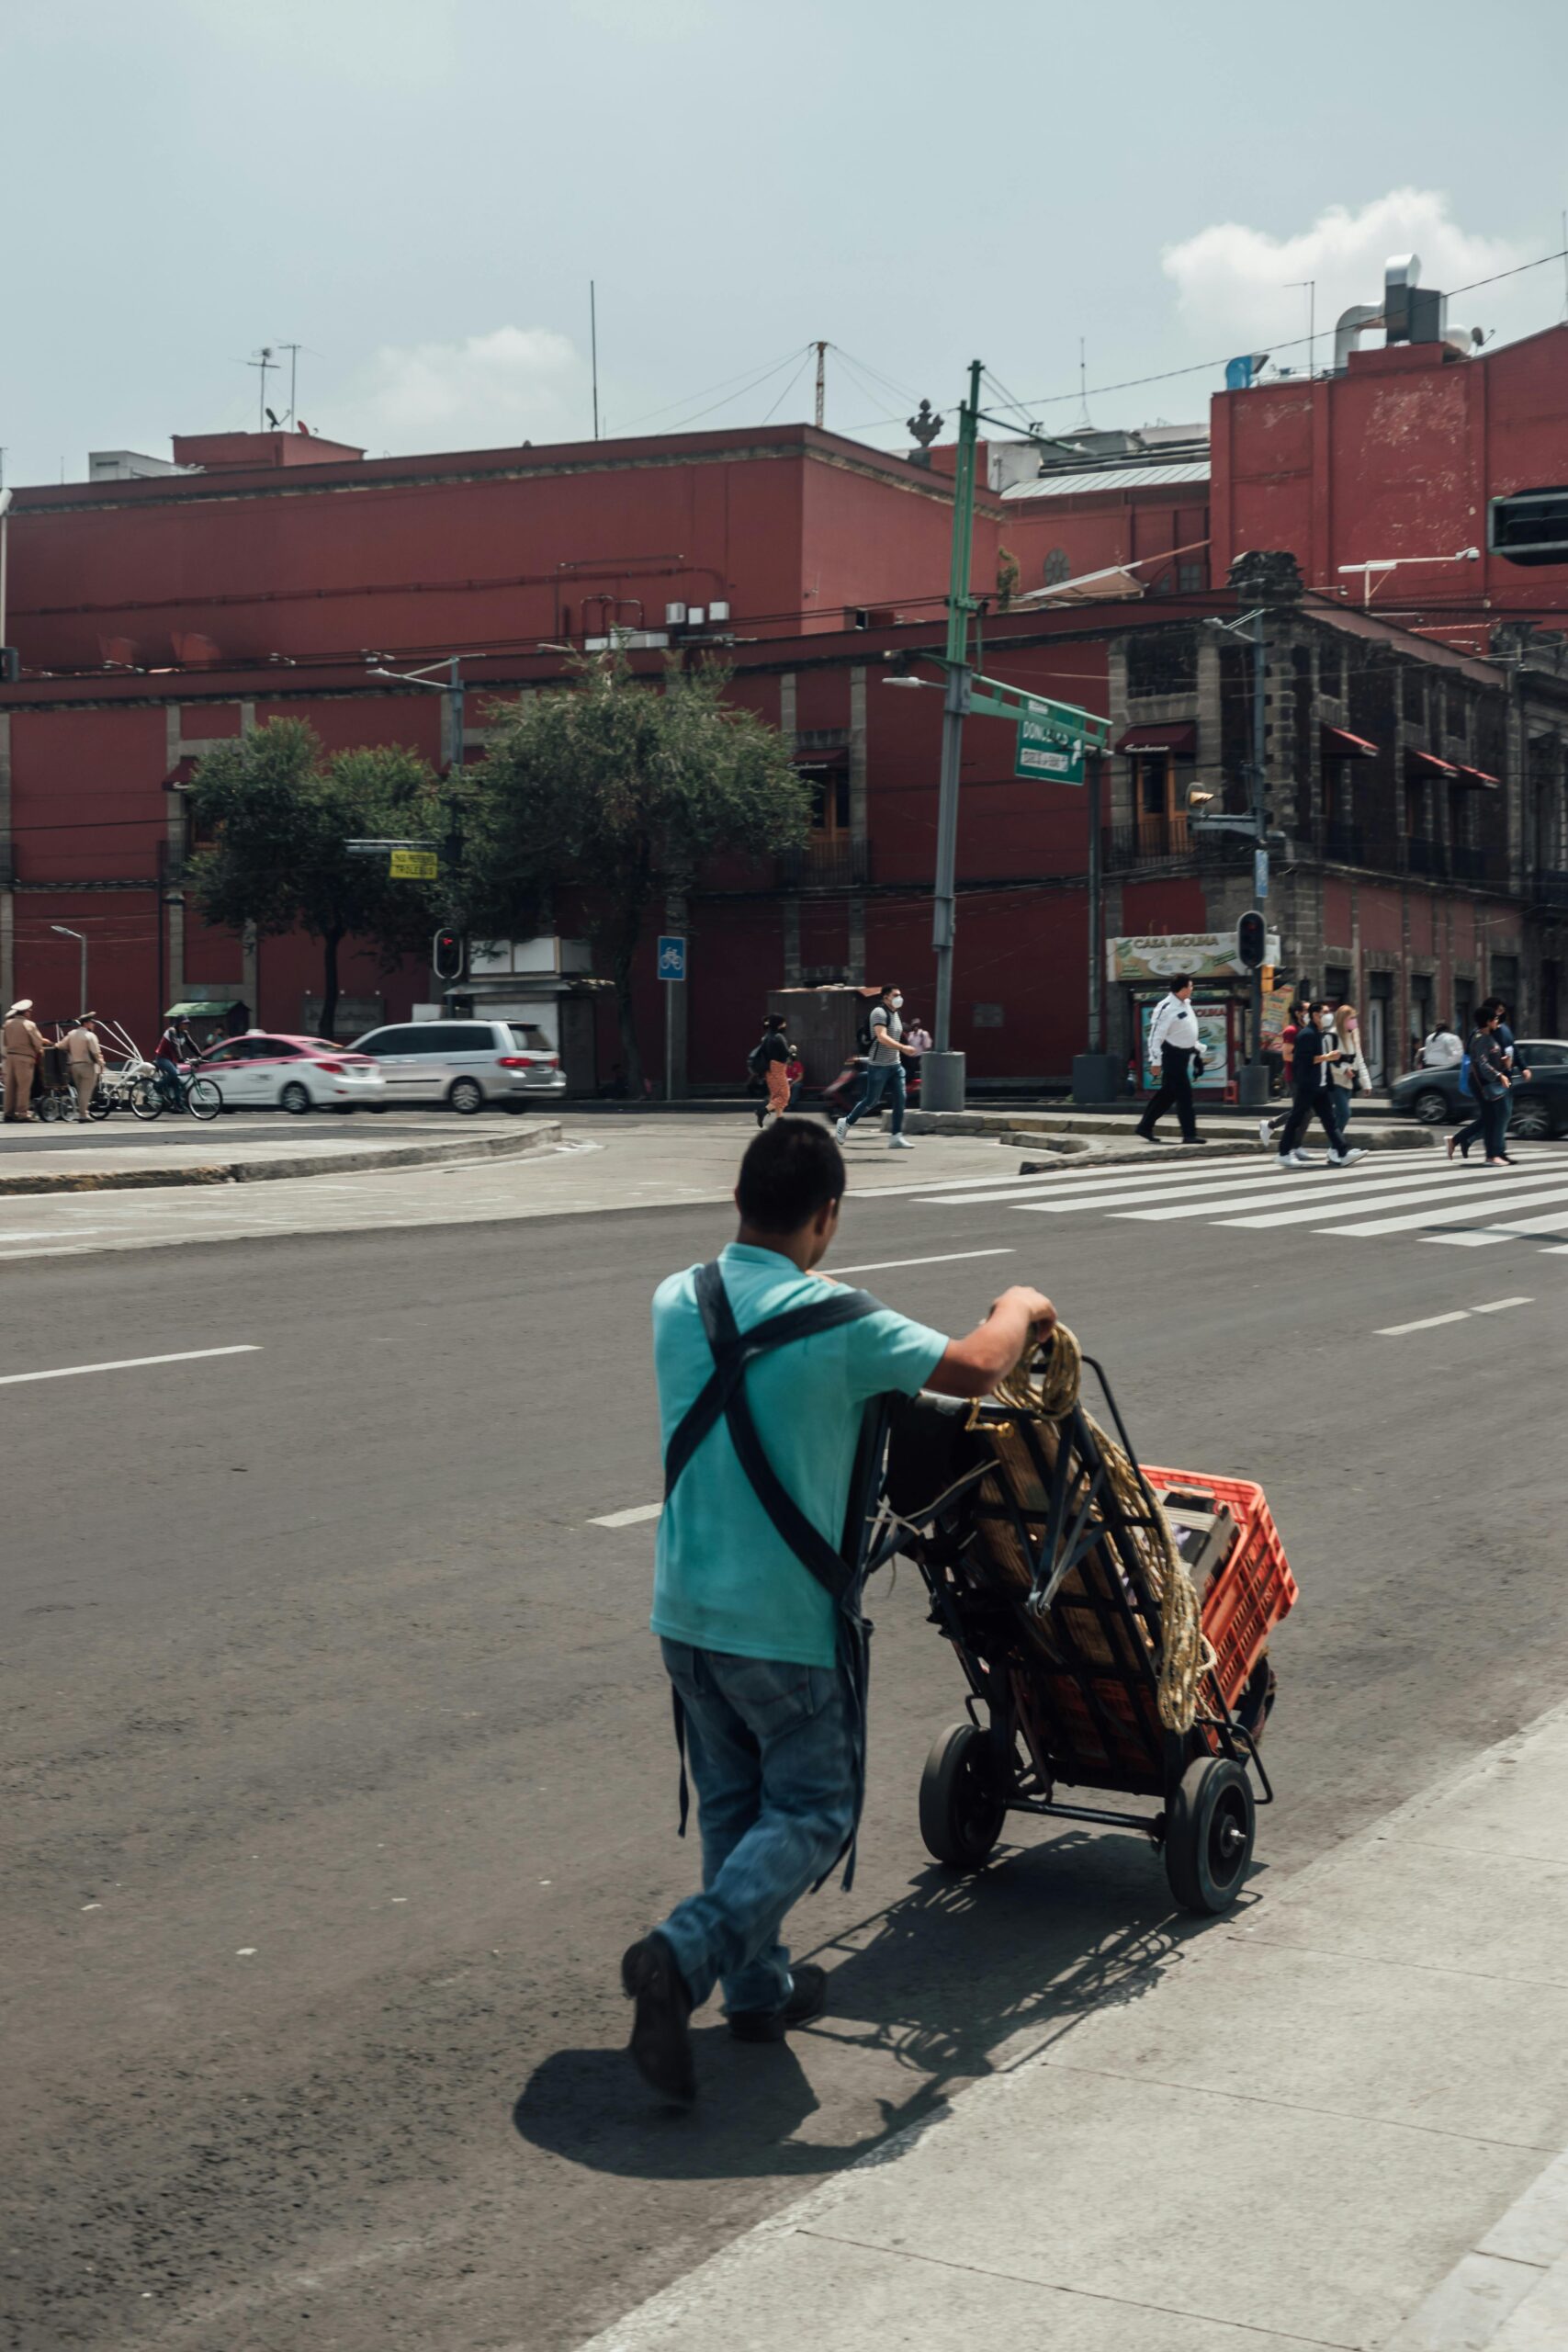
884 1069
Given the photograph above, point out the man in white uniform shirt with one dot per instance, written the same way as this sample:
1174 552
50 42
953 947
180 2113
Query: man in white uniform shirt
1173 1046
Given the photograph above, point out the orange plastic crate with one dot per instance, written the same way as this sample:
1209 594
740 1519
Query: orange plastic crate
1253 1590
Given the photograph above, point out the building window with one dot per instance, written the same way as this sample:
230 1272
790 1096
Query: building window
1415 812
1337 983
1162 662
1414 695
1058 568
1190 578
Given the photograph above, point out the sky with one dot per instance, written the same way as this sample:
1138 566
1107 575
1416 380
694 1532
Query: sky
419 192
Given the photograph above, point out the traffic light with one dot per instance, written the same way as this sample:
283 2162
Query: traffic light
448 955
1251 941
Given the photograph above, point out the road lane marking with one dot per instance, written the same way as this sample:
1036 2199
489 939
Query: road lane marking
1377 1227
628 1518
1213 1195
1459 1315
1374 1194
129 1363
1505 1228
948 1258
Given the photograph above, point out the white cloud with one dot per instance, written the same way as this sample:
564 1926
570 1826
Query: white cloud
1234 285
488 391
644 21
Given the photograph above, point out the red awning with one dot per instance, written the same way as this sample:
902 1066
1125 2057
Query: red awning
1180 736
1479 776
182 774
1429 764
1340 744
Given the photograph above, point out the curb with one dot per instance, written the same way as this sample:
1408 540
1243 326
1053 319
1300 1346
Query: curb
538 1135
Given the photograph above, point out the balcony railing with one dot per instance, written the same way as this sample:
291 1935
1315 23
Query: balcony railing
828 861
1169 841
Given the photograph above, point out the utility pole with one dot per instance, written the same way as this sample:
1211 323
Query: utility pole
942 1075
293 351
821 381
262 362
1258 1092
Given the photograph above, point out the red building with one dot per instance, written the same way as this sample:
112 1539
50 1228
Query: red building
153 616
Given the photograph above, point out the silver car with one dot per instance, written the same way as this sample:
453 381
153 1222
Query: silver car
465 1064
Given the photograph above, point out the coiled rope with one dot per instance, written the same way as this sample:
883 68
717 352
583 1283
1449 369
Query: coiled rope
1050 1394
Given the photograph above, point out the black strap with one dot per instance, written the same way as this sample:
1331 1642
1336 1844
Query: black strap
723 1397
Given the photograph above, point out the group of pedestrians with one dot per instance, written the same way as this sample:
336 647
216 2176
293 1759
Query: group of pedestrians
777 1064
25 1047
1494 1057
1327 1067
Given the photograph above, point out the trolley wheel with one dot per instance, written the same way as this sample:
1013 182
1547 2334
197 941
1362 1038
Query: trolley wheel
962 1810
295 1098
49 1107
1208 1837
203 1099
100 1106
146 1099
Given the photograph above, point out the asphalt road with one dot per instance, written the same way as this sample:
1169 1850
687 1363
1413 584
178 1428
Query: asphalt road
339 1765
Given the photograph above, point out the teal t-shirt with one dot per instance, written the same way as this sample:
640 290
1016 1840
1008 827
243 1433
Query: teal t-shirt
726 1580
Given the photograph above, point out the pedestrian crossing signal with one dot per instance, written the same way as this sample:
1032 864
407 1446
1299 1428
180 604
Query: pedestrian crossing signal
1251 942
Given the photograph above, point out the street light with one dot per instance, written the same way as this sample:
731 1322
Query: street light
82 1004
1383 565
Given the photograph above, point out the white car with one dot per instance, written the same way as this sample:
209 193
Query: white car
264 1071
465 1064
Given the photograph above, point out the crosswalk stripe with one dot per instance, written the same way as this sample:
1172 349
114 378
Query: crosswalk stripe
1282 1190
1081 1180
1452 1216
1387 1196
1241 1190
1507 1229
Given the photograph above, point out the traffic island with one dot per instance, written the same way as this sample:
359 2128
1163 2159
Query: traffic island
271 1163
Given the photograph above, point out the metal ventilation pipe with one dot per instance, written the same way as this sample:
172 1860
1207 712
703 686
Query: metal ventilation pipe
1349 328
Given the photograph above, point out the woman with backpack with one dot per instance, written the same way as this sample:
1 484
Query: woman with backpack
769 1060
1349 1073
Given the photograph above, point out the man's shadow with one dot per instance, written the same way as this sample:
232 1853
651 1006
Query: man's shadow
940 1981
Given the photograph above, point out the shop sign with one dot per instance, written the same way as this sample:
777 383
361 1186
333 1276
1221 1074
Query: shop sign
1156 955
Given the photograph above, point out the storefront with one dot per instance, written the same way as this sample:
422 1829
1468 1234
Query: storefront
1141 969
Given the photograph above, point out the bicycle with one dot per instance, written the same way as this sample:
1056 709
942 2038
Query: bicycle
199 1096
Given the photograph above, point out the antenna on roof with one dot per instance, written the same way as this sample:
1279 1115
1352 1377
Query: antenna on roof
1085 423
293 349
262 360
1309 287
593 348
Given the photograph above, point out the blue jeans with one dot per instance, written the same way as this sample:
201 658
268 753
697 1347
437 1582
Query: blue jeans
883 1078
169 1081
772 1753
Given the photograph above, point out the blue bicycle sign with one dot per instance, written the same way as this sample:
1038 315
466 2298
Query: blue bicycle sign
672 957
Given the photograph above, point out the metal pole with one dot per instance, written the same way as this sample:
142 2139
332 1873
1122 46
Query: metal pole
1096 912
1260 823
821 382
593 346
668 1041
84 1003
943 1072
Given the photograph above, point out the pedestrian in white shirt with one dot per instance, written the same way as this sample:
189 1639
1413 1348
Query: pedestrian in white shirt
1173 1049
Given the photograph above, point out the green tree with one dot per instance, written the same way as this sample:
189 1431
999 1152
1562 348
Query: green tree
274 814
622 789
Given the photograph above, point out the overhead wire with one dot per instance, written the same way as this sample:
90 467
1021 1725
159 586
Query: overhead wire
789 387
724 381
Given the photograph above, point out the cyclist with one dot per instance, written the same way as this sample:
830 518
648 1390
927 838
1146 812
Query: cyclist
176 1045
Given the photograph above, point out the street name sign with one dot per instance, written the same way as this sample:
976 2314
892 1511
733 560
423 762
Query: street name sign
1047 750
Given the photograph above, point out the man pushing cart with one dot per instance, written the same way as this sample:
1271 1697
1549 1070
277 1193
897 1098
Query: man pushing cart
783 1490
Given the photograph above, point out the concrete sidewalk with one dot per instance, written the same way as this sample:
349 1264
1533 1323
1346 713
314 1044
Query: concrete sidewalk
1337 2118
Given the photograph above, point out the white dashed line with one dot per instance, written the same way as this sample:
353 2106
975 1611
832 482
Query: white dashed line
628 1518
1459 1315
127 1363
948 1258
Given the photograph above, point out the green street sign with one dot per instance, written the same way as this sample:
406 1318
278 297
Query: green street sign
1047 750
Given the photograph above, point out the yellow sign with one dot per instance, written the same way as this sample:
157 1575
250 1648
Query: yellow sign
414 866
